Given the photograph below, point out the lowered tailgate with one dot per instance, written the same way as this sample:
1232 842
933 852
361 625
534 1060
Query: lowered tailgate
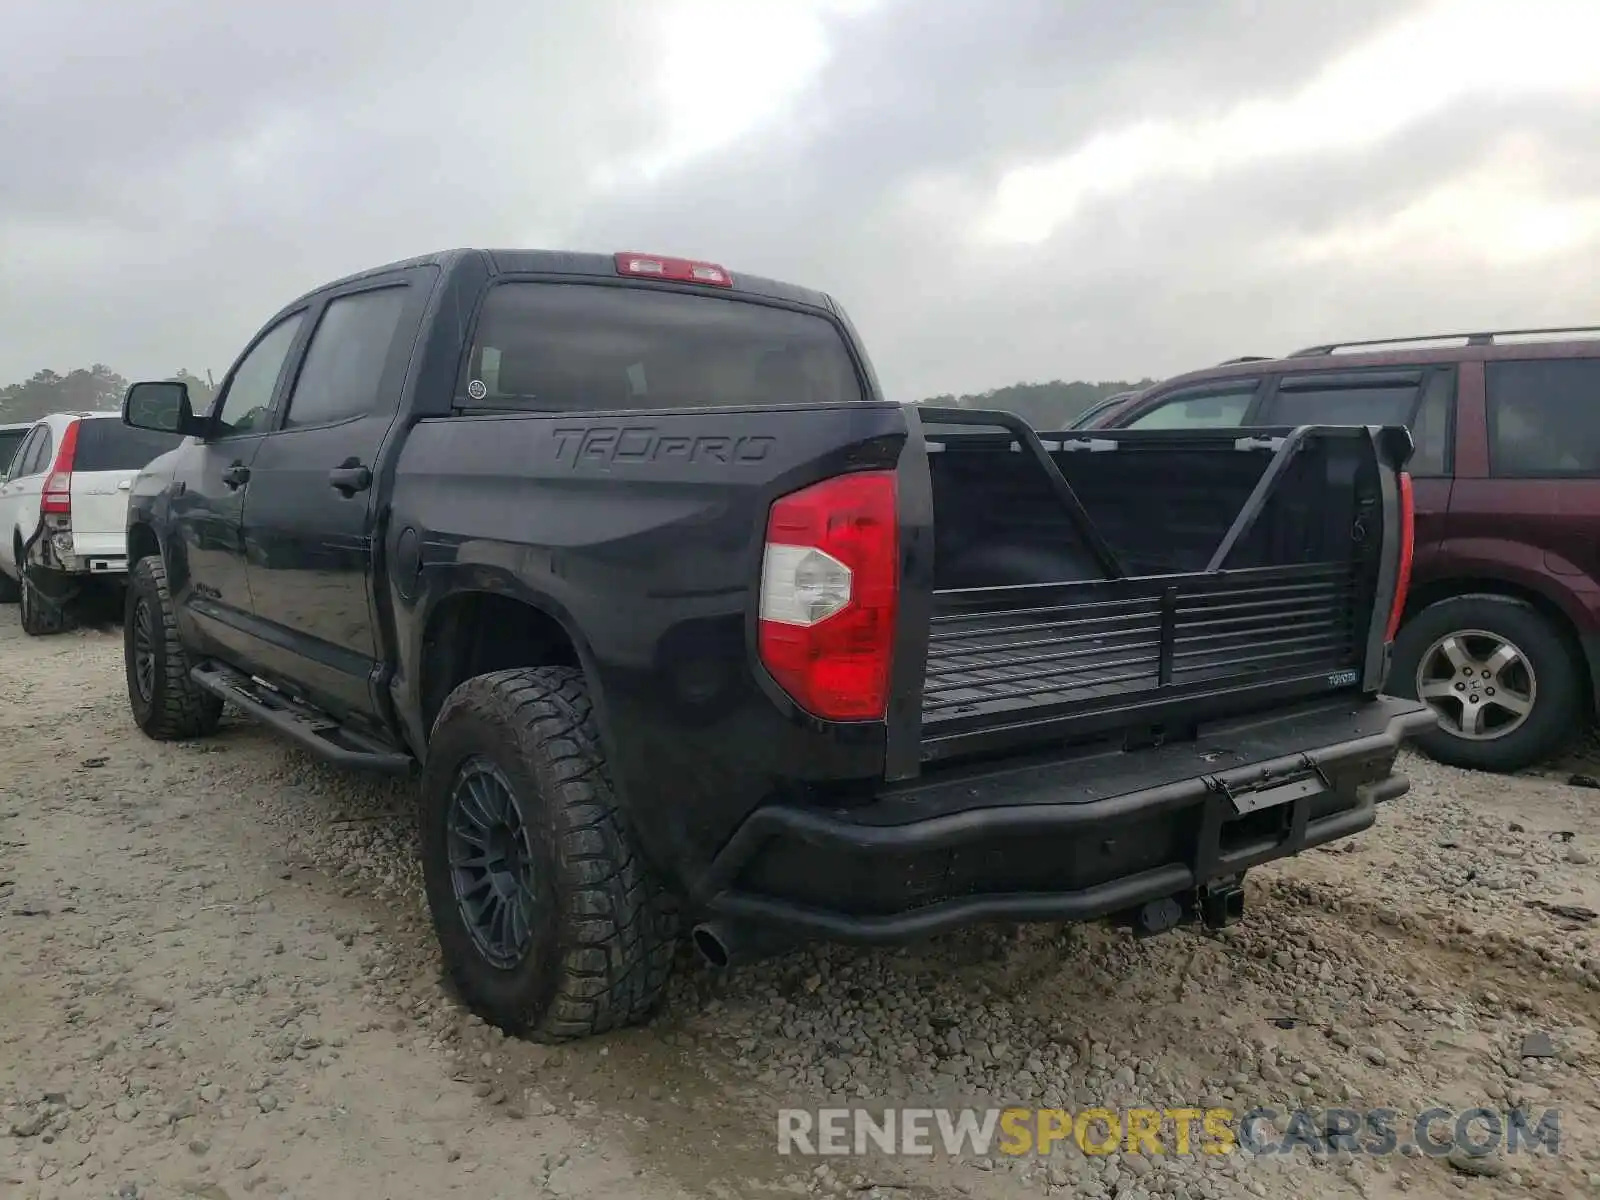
1143 583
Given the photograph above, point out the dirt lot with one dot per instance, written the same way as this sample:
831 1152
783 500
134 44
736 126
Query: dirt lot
217 981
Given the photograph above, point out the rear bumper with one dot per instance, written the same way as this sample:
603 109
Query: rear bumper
96 557
96 564
1065 838
87 564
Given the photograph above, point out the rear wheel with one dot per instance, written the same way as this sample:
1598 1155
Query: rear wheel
550 922
46 602
1503 680
166 703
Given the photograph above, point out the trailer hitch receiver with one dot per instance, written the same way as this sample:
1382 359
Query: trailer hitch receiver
1221 904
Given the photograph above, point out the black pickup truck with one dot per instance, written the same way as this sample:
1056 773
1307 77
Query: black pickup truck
690 630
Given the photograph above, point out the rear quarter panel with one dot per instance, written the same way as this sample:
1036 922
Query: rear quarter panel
1540 535
642 535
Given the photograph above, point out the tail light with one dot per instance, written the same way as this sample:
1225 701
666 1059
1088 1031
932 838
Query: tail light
830 582
57 496
680 270
1408 538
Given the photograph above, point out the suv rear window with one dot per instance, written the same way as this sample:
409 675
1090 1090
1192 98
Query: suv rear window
107 445
1544 417
565 347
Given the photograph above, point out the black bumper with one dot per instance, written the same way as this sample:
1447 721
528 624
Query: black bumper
1065 837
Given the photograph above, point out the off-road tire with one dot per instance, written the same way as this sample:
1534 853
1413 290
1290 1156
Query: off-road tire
604 931
42 614
1558 703
178 707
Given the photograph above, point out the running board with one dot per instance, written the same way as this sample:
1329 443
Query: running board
316 731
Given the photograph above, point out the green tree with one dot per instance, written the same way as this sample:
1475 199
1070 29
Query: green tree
201 393
88 389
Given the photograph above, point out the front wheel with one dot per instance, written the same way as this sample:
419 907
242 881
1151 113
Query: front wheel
1500 675
551 924
166 703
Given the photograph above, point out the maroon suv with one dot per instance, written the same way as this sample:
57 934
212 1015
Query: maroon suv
1502 630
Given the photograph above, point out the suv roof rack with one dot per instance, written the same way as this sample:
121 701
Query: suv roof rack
1484 338
1228 362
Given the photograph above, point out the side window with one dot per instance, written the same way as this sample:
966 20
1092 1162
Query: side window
1209 409
1544 417
344 364
39 457
1430 432
1421 402
1349 400
248 399
24 453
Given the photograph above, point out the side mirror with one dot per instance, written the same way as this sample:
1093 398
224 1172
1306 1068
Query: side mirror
162 406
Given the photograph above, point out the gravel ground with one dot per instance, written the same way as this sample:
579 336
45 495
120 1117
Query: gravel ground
219 981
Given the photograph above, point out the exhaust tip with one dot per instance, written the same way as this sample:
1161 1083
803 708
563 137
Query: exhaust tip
710 946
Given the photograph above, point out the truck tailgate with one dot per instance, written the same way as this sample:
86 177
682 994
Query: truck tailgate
1140 583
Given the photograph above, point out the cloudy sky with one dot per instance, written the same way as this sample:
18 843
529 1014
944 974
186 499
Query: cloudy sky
996 189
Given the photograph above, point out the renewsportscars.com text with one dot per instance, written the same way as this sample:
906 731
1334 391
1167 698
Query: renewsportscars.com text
1164 1131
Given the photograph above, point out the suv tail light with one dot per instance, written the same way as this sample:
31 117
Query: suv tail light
1408 539
830 583
57 496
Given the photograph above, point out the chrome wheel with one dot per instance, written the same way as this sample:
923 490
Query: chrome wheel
1481 685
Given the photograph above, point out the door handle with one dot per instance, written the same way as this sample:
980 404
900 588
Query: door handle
236 476
125 486
350 477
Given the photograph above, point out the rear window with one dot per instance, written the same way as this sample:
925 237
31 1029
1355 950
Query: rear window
10 439
106 445
560 347
1544 417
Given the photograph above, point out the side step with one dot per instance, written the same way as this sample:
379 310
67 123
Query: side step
316 731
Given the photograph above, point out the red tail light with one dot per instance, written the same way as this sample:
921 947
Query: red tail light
830 582
682 270
57 495
1408 538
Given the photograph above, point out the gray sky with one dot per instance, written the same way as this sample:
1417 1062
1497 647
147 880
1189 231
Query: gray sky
998 190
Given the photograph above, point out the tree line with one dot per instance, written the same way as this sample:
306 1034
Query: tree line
99 389
88 389
1050 405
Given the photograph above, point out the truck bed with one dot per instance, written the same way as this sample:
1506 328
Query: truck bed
1141 581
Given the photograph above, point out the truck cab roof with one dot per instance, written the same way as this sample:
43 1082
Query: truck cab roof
578 264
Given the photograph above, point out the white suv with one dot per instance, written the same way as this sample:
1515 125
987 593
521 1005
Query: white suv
64 511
